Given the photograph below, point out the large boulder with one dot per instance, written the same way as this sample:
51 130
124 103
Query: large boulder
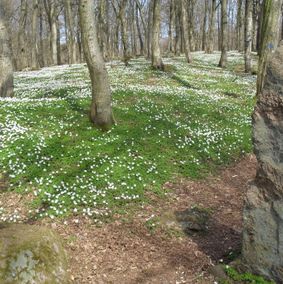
263 209
31 255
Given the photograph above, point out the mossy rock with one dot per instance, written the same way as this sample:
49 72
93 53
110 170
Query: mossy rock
31 255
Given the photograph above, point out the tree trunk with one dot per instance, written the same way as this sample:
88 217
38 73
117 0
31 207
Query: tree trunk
50 9
22 41
210 44
156 60
269 36
239 26
171 26
178 29
41 44
185 24
124 31
139 31
34 47
58 42
248 35
71 42
204 33
6 66
101 110
224 38
149 29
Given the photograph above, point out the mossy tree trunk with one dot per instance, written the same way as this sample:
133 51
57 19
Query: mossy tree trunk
101 110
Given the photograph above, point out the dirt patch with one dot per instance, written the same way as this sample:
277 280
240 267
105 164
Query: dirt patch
139 249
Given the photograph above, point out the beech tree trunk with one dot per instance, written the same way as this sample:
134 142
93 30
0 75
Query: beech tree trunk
224 36
171 26
34 46
248 35
22 41
178 29
101 110
185 23
156 59
72 57
6 66
204 34
210 44
269 36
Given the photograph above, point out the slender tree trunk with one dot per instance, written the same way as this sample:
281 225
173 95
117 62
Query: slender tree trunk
34 46
58 43
139 31
185 24
239 26
6 66
248 35
22 41
149 30
178 29
41 44
204 42
50 9
53 38
71 41
171 26
124 31
269 36
210 44
191 24
156 59
101 110
224 38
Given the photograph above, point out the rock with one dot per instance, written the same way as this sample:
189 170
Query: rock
219 273
193 219
263 209
31 255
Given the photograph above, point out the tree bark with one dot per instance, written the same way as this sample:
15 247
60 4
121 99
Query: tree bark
156 59
71 41
101 110
34 47
204 32
248 35
171 26
185 24
239 25
22 40
6 66
178 30
50 9
269 36
210 44
224 37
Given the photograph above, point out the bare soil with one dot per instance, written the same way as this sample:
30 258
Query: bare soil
139 248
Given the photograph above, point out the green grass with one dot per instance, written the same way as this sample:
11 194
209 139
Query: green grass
179 123
245 277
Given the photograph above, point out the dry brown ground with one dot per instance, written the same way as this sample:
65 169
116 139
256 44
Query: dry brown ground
127 251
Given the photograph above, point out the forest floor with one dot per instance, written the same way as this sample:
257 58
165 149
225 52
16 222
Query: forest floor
158 199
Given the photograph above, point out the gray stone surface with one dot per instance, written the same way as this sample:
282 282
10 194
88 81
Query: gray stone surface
263 210
31 255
